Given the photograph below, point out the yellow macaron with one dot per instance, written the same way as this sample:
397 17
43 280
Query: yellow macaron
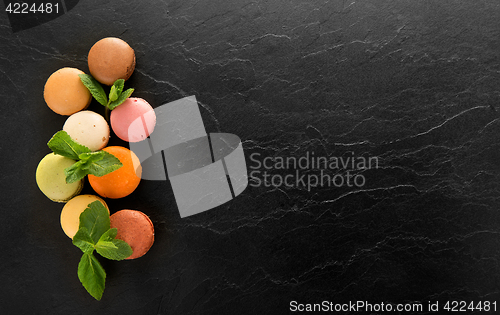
70 214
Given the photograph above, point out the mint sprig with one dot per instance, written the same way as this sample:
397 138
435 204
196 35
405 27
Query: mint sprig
62 144
94 233
98 163
116 95
120 99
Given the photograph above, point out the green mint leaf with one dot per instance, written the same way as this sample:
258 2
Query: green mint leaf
88 158
113 95
107 245
92 275
124 249
83 240
106 249
121 98
75 172
107 164
97 163
120 84
114 249
62 144
116 90
95 88
95 219
109 235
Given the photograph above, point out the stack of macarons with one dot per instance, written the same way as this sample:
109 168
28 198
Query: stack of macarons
109 59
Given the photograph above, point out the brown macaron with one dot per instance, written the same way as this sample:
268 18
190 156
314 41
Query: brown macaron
135 228
111 59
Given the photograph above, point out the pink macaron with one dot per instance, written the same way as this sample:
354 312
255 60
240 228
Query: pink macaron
134 120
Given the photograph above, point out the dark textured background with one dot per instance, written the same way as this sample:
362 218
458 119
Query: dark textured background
415 83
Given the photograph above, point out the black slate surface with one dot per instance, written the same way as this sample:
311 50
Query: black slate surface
414 83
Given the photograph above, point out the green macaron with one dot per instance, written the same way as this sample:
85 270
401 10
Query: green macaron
51 179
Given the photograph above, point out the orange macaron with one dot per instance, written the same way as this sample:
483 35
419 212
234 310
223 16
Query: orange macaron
64 93
121 182
135 228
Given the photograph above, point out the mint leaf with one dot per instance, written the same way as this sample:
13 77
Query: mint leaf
97 163
112 248
109 235
91 156
113 95
88 159
95 88
92 275
62 144
108 245
107 164
106 249
124 249
83 240
116 90
105 245
95 219
74 173
123 96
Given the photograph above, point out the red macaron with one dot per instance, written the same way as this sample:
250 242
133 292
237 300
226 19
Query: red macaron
135 228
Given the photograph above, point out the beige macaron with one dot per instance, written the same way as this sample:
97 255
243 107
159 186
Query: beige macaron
88 128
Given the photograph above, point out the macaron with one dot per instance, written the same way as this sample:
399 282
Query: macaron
135 228
121 182
111 59
64 93
51 179
70 214
88 128
134 120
